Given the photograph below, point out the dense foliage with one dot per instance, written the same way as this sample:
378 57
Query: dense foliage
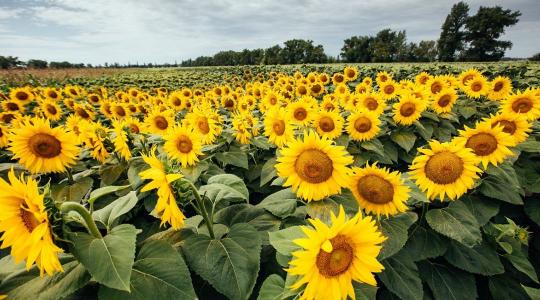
409 181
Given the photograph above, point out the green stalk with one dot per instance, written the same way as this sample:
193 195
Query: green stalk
209 222
70 176
85 214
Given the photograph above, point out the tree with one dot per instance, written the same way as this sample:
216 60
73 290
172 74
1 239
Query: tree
8 62
299 51
272 55
357 49
36 64
389 46
535 57
452 36
426 51
483 31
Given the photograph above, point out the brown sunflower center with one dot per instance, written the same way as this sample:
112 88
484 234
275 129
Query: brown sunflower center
482 143
44 145
467 78
337 261
423 79
383 78
73 92
300 114
229 103
28 218
203 126
279 127
326 124
476 86
12 106
176 102
120 111
184 144
83 113
362 124
444 100
314 166
94 98
302 90
407 109
436 88
1 132
522 105
273 100
375 189
389 89
7 118
22 96
134 128
316 88
351 73
371 103
444 167
508 126
161 122
498 86
338 78
51 109
52 94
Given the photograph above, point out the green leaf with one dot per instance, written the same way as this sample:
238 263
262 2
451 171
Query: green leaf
448 283
268 171
159 268
502 184
365 291
481 208
425 243
232 181
282 240
229 264
455 222
247 213
136 166
518 259
57 286
400 276
530 146
236 158
194 172
504 288
481 259
261 142
322 209
404 139
373 145
532 209
425 130
467 111
73 193
110 213
218 191
272 288
396 230
532 292
110 173
98 193
8 266
109 259
281 204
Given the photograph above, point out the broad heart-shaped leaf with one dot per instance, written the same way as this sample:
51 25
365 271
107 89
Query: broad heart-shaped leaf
532 292
481 208
425 243
400 276
53 287
532 209
236 158
322 209
159 268
268 171
502 183
231 180
109 259
282 240
456 222
110 213
219 191
481 259
518 259
74 193
395 229
247 213
280 204
229 264
272 288
364 291
404 139
505 287
97 193
448 283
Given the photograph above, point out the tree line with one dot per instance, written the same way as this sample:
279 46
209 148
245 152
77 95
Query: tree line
463 37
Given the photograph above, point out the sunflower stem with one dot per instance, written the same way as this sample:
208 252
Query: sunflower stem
70 176
202 208
66 207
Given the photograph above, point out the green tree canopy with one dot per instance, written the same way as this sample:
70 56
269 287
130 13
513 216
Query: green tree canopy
452 36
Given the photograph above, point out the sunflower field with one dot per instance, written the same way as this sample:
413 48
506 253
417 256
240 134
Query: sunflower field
288 182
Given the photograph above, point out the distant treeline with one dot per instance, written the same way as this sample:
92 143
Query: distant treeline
462 38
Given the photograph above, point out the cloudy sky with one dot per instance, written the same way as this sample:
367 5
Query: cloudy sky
157 31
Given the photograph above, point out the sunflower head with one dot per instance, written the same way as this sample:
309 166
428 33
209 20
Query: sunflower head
22 95
444 101
408 109
363 125
328 124
500 88
277 128
523 103
516 126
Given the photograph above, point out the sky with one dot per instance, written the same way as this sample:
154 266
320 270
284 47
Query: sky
160 31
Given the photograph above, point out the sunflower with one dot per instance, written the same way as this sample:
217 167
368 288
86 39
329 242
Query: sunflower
445 169
166 207
206 127
158 122
372 102
465 76
316 89
408 109
329 103
476 87
72 91
22 94
94 135
328 124
51 110
489 144
526 104
106 108
422 78
13 106
25 225
119 110
351 73
52 94
314 167
324 78
85 112
4 132
363 125
277 128
388 89
331 257
242 132
500 88
133 125
444 101
516 126
183 145
379 191
383 77
362 88
338 78
271 99
120 140
435 85
300 112
42 149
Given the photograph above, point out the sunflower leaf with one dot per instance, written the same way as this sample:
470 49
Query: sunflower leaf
456 222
